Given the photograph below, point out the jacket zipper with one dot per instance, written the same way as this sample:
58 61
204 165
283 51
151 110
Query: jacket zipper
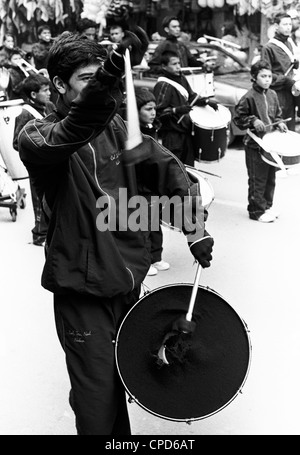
108 197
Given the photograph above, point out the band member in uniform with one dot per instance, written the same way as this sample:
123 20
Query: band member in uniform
95 262
149 124
174 97
251 113
36 91
280 53
172 28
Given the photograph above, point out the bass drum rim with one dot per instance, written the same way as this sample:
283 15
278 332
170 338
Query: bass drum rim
134 398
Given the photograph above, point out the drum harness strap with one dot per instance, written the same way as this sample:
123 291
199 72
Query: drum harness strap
285 48
179 87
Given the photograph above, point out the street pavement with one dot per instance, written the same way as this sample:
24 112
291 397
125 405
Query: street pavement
254 269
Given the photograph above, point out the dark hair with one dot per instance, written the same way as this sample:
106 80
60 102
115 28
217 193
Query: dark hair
229 29
9 35
166 21
279 16
34 83
16 51
71 51
41 28
84 24
143 96
166 56
258 66
114 26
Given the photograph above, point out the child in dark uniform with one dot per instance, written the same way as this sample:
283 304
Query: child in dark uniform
257 109
150 125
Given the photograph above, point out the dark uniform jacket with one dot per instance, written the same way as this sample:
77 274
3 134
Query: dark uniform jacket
171 43
76 156
260 104
282 83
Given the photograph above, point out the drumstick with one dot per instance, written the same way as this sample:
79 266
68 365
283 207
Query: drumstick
194 293
192 104
279 121
183 326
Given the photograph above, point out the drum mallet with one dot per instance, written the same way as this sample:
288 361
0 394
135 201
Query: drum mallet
191 105
182 326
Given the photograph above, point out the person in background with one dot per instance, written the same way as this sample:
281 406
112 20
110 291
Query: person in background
251 113
146 105
172 27
174 96
116 34
16 75
94 267
88 28
40 49
8 45
36 91
280 52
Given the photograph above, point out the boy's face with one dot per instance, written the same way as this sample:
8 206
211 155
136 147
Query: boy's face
43 95
79 79
90 33
174 28
116 35
9 42
264 78
147 113
173 66
15 60
45 35
285 26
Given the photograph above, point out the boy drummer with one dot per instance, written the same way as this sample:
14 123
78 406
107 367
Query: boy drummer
256 110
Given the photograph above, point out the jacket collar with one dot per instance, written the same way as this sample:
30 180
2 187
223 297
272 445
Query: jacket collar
258 88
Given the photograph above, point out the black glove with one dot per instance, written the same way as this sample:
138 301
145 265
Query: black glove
201 102
136 42
181 110
202 249
213 104
206 102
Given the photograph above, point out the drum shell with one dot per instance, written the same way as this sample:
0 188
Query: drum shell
209 145
210 132
219 359
206 189
286 145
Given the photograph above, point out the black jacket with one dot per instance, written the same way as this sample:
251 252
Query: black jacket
74 157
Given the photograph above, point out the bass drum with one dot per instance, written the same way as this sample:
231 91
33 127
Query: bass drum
210 132
214 369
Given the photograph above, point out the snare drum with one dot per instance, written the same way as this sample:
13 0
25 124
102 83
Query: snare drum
206 189
286 145
210 128
215 366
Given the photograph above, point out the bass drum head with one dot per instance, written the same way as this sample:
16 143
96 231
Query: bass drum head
214 369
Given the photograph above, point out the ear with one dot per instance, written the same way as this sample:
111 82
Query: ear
60 85
33 95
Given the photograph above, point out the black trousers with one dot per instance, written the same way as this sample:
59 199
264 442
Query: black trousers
261 183
87 327
39 230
